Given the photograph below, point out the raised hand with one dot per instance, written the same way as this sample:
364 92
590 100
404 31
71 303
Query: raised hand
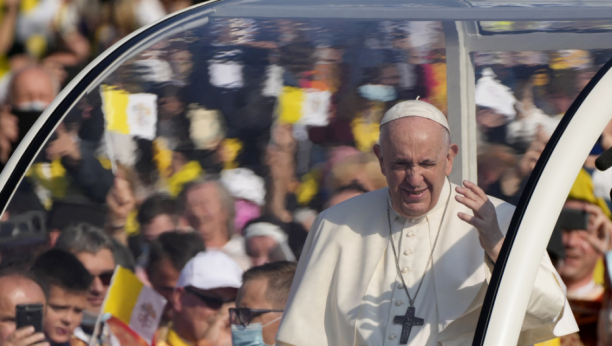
25 337
484 218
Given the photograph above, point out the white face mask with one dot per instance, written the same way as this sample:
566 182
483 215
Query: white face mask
35 106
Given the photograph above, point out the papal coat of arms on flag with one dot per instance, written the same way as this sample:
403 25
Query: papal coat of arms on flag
135 309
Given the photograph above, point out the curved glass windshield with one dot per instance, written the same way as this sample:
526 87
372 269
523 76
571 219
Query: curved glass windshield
280 109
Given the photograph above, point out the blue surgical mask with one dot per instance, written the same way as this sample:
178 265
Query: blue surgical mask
250 335
378 92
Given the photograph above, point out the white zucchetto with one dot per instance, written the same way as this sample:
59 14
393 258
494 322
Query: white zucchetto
415 108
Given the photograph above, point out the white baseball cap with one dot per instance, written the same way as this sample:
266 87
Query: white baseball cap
415 108
209 270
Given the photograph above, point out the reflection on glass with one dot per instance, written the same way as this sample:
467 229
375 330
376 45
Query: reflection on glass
520 99
489 27
283 112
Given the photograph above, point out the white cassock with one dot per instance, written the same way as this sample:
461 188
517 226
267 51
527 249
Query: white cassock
347 290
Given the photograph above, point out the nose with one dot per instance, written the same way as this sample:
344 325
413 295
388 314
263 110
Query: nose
97 287
570 239
67 318
414 177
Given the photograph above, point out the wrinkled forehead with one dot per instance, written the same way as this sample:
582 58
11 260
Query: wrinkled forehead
414 126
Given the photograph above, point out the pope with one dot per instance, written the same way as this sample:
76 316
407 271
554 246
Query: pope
410 264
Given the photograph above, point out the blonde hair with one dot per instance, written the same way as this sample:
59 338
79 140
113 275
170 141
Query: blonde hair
362 167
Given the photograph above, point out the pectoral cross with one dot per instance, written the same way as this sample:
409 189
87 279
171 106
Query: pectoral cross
407 321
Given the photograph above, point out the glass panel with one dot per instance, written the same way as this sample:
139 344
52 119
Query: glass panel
286 111
508 27
520 99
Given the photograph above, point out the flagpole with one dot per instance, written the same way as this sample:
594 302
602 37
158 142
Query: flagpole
110 152
96 331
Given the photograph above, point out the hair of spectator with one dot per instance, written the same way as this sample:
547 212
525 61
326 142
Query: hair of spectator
178 247
19 272
280 277
122 255
353 186
156 205
225 198
62 269
83 237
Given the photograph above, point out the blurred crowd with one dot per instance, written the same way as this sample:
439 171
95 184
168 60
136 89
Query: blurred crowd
201 162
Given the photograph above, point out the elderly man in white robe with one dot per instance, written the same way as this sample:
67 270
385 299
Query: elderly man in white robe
410 264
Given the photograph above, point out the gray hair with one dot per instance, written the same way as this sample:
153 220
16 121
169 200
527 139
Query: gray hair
84 237
225 198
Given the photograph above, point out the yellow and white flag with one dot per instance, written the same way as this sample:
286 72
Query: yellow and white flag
304 106
135 309
133 114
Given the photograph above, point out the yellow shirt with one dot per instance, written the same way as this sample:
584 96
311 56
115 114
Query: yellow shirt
171 338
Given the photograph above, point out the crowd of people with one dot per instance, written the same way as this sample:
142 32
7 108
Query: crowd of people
201 162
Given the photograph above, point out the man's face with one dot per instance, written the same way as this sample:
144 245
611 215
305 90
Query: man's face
15 290
252 295
163 277
580 255
170 106
389 76
196 317
205 212
64 313
159 224
32 86
99 265
415 160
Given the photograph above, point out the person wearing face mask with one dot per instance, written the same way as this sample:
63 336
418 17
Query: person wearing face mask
378 92
260 303
31 90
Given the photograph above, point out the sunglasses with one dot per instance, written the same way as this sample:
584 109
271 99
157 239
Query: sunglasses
244 316
105 277
212 302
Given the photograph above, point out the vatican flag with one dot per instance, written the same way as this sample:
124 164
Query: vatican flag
304 106
133 114
133 310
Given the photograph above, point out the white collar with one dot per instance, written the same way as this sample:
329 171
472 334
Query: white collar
582 291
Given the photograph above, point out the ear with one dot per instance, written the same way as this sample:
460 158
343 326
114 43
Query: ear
452 152
176 302
378 153
52 237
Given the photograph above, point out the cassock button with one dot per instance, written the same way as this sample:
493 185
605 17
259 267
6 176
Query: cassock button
392 337
405 270
410 234
398 303
407 253
400 286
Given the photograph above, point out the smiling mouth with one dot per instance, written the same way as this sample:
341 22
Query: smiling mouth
96 301
415 194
